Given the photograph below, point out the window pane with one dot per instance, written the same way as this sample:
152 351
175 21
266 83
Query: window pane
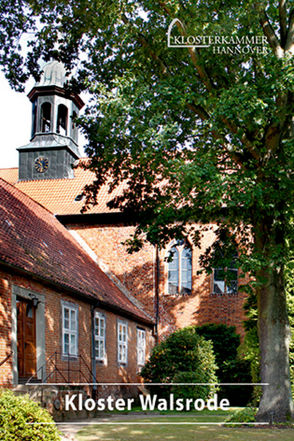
73 320
66 343
72 344
219 282
46 117
101 328
173 272
232 283
96 327
62 120
186 270
141 346
122 342
66 318
219 275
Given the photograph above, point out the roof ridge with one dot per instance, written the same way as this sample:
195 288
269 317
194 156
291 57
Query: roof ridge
36 242
27 196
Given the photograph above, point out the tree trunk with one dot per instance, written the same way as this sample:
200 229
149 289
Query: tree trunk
276 404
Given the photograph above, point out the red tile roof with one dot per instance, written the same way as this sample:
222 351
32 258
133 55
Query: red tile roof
9 174
58 195
32 240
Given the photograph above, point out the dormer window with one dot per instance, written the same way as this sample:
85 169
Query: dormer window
62 120
46 117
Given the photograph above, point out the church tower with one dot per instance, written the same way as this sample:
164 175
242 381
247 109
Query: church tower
54 143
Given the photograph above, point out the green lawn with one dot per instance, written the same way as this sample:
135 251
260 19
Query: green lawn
178 432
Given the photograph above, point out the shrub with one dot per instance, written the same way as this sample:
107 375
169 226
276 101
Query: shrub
183 352
17 413
193 392
232 367
246 415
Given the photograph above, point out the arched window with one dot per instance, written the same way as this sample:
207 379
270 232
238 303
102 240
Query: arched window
180 269
173 272
34 122
73 119
225 280
74 127
62 120
46 117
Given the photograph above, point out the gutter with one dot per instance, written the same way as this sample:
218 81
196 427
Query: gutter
93 358
82 296
156 291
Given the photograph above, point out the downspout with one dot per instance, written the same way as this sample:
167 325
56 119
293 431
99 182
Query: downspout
93 358
156 292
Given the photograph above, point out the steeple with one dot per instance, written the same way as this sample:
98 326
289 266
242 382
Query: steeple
54 143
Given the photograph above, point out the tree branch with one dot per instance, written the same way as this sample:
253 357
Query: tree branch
207 82
198 110
289 47
283 21
144 42
270 34
192 52
204 116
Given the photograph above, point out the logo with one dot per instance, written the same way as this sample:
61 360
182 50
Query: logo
181 40
220 44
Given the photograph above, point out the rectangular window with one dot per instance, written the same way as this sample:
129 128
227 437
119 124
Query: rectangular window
122 342
69 329
99 331
220 286
141 346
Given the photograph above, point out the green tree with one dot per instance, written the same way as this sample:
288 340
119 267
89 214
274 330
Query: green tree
198 135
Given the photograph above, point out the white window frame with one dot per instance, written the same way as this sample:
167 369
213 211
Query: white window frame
71 332
122 342
100 338
141 346
180 248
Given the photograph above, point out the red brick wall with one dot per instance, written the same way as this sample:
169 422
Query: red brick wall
5 330
136 272
111 372
54 339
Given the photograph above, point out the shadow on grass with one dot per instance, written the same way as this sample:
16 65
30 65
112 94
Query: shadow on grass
178 429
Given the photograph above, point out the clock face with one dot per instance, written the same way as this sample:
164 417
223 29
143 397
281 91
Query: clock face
41 164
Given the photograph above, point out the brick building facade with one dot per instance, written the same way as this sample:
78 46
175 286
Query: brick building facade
172 293
61 318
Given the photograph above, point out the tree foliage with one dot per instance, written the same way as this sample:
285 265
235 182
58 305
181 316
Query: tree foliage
195 134
183 357
233 365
